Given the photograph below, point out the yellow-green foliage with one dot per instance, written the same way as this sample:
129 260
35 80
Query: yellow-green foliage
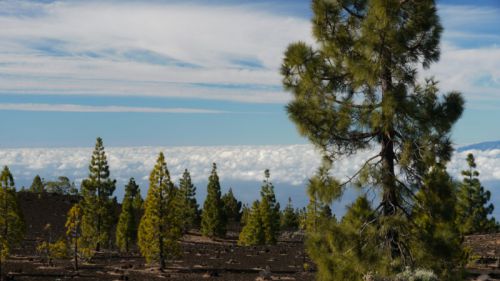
12 226
253 231
56 250
73 234
262 222
269 210
160 227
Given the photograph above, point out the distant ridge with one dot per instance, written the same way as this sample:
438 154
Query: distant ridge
488 145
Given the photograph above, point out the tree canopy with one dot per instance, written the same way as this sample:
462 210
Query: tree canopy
97 205
161 225
12 226
213 219
128 221
357 89
473 206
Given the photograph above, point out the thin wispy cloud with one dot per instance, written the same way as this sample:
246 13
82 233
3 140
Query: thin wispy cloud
156 49
470 54
92 108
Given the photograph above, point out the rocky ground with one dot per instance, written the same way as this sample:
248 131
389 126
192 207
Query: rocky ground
202 258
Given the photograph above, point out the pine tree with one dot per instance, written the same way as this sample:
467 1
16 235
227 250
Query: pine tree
74 232
232 207
52 250
161 225
187 200
62 185
97 207
245 214
37 186
269 210
438 243
348 248
289 218
473 208
253 232
11 219
213 223
126 230
357 89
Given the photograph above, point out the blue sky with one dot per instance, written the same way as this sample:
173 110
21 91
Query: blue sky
199 80
195 72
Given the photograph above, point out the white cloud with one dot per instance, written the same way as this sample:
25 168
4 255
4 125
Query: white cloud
168 49
156 49
93 108
470 54
474 72
291 164
240 166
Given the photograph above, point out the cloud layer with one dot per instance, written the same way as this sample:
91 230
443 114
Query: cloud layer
89 108
148 49
222 52
290 164
240 167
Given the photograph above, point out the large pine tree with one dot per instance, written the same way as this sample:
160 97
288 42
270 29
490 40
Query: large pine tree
128 221
187 201
213 222
12 226
161 225
97 204
357 89
473 206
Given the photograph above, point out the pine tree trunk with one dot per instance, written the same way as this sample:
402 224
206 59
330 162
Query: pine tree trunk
389 193
160 234
76 255
99 205
98 245
1 273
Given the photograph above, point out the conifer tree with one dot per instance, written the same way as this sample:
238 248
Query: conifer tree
37 186
11 219
269 210
357 89
62 185
438 243
232 207
213 223
253 232
187 200
473 206
74 232
128 222
245 213
289 218
161 225
97 207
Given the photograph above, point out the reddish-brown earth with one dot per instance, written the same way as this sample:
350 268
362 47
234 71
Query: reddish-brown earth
202 258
